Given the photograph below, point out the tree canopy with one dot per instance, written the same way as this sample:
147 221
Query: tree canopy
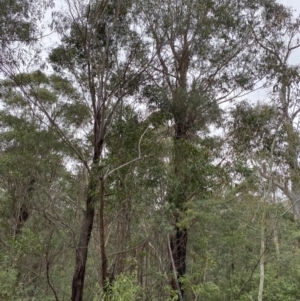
135 162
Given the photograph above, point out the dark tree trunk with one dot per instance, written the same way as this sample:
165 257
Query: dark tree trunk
178 243
87 226
104 272
22 217
178 240
82 248
23 212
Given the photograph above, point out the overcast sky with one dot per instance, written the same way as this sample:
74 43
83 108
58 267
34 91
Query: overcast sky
295 4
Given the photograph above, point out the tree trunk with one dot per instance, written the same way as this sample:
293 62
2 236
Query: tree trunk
178 240
104 273
87 225
82 248
22 217
178 243
276 243
23 211
262 258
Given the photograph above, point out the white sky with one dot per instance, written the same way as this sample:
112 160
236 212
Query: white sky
294 58
295 4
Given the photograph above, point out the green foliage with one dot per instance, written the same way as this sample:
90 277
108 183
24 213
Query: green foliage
253 127
163 168
18 20
15 21
8 278
124 288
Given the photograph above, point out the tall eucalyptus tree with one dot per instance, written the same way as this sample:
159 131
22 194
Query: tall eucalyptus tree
283 75
205 55
101 53
267 135
275 119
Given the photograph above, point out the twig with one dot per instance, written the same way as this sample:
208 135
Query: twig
286 211
131 161
49 282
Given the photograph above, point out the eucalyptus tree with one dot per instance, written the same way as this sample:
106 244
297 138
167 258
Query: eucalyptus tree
266 135
104 56
259 150
100 53
205 55
283 75
33 175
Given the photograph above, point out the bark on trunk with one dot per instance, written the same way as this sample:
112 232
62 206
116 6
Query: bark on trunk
262 260
23 212
178 243
88 218
85 233
276 243
178 240
104 272
22 217
82 248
